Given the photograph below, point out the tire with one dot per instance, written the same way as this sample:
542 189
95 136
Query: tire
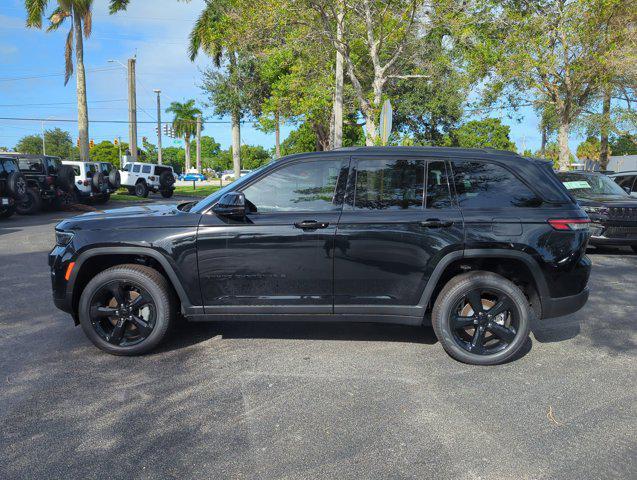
114 179
6 212
167 193
163 309
65 178
458 341
166 179
31 203
99 182
103 199
141 189
16 185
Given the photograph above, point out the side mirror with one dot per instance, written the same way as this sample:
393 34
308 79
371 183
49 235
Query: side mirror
231 205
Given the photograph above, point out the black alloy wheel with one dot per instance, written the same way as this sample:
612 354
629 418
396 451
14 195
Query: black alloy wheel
484 322
122 313
481 318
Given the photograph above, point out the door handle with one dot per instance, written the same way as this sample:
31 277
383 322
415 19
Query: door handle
436 223
310 225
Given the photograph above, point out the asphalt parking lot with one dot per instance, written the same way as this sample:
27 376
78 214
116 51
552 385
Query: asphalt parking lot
308 401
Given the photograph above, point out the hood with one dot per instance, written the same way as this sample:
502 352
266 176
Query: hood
607 201
143 216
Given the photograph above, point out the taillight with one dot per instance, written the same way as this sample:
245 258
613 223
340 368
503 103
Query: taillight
86 183
151 178
79 182
50 180
569 223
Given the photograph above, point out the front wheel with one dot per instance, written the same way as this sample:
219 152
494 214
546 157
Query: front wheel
141 190
30 203
127 309
481 318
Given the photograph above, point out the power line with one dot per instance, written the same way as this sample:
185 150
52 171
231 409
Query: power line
57 103
63 120
30 77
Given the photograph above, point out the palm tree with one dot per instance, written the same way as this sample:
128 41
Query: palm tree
80 14
208 35
185 123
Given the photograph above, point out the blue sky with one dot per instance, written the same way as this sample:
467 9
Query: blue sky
156 31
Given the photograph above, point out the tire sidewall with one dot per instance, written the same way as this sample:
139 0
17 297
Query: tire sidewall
141 190
449 297
162 308
32 201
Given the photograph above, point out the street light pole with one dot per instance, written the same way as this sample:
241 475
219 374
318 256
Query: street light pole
159 153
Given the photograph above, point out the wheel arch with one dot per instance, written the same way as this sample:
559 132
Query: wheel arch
91 262
517 266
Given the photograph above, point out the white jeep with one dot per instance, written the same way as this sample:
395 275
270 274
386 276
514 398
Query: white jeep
93 181
141 178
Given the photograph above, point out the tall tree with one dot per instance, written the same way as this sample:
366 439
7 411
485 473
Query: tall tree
79 13
185 123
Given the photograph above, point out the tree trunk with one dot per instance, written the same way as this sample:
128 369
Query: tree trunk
337 140
187 150
604 153
562 140
544 140
277 135
370 130
80 74
235 119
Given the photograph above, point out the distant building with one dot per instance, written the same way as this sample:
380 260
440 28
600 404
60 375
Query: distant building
622 163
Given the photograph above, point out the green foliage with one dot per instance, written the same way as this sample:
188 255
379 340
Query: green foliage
589 149
58 143
489 132
304 138
185 118
106 151
252 156
624 144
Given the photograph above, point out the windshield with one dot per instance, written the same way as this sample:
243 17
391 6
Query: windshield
204 204
582 184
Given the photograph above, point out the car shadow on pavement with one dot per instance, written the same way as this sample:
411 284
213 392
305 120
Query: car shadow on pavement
191 333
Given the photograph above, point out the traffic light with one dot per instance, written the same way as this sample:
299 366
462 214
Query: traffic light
91 144
116 142
166 129
144 140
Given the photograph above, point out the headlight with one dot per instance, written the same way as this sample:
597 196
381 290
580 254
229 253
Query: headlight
62 239
596 210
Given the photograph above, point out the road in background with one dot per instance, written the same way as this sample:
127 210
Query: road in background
310 401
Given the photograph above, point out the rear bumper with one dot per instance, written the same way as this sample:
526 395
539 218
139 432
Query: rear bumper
557 307
602 240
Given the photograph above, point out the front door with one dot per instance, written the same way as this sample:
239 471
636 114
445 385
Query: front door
279 259
398 221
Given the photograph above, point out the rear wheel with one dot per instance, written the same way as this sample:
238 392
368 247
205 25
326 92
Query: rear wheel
103 198
30 203
167 193
481 318
141 189
127 309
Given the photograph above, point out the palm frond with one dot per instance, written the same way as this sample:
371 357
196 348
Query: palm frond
35 12
118 5
203 35
56 20
88 23
68 56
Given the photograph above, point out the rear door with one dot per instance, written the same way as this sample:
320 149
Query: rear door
398 221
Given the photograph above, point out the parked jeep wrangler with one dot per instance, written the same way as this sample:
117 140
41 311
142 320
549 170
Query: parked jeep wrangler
475 242
141 178
91 181
13 186
48 182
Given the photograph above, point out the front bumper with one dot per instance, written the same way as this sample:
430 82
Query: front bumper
558 307
613 232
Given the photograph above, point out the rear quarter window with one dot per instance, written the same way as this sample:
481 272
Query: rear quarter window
488 185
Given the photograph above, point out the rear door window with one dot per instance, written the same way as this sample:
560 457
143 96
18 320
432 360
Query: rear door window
389 184
136 168
438 194
31 165
8 166
487 185
146 169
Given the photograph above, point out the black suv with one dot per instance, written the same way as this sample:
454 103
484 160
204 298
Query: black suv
475 242
48 181
13 186
613 212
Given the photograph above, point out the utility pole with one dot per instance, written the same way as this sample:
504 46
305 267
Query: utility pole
119 148
198 143
337 141
132 109
159 153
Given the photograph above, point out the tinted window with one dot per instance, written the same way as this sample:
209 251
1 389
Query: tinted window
52 165
306 186
589 184
8 166
105 167
90 168
76 170
486 185
31 165
389 184
126 167
136 168
625 181
146 169
437 192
